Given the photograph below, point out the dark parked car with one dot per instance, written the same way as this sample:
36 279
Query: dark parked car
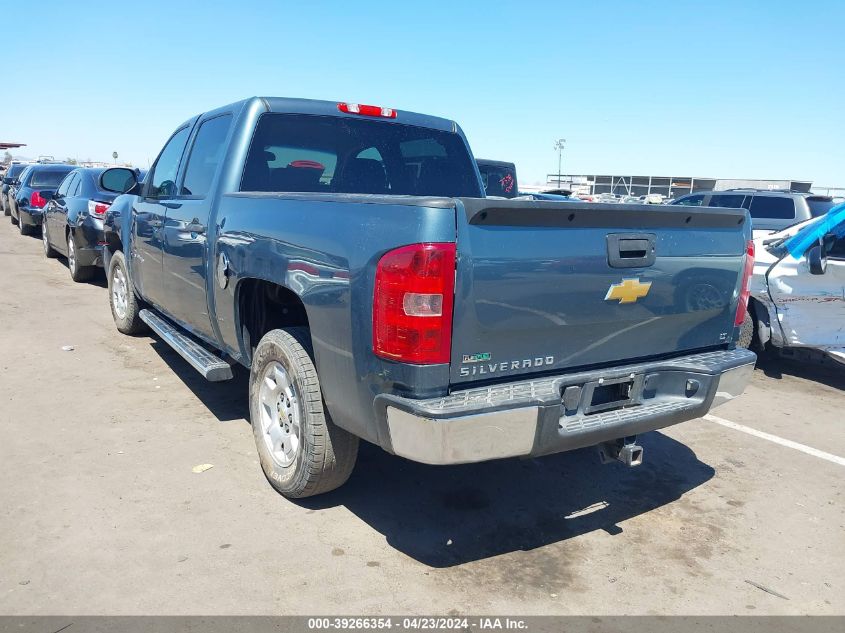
11 175
38 183
72 222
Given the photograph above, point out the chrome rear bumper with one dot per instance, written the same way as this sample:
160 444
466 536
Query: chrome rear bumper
533 417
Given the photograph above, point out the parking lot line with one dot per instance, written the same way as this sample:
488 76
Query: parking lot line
777 440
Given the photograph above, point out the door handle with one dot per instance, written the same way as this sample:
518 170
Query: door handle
195 227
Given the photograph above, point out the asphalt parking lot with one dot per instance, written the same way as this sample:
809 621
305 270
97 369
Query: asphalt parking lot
101 512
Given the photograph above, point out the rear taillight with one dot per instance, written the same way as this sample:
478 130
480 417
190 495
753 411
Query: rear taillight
97 209
37 200
742 306
367 110
412 303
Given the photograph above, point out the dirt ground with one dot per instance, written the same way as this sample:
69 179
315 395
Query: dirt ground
100 512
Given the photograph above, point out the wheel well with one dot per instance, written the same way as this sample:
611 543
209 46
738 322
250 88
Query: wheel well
265 306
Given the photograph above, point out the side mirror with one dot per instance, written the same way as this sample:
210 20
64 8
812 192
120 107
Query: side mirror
817 260
118 180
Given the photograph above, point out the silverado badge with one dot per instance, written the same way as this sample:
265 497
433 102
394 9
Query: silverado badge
628 291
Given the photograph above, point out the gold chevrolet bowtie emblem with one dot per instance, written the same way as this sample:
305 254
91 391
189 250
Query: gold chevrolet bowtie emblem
628 291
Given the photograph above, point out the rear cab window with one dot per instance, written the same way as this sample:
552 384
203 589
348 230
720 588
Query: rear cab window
311 153
498 180
772 207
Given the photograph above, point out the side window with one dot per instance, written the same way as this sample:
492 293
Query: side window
773 207
76 187
65 186
727 201
691 201
836 250
206 155
162 178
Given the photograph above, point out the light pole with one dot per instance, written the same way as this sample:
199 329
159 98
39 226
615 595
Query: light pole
559 145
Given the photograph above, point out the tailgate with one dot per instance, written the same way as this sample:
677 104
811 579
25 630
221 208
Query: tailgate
545 286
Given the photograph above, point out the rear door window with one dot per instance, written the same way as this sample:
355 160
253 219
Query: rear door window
66 183
76 188
772 207
307 153
206 155
727 201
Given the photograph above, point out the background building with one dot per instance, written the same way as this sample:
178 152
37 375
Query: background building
667 186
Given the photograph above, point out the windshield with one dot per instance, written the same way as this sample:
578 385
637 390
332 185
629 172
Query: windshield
293 152
833 222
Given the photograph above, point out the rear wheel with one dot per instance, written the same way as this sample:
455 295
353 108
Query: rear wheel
23 228
302 452
77 273
49 251
746 332
125 307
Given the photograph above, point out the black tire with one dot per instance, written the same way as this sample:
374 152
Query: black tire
24 229
49 251
746 332
326 453
13 219
130 322
77 273
6 210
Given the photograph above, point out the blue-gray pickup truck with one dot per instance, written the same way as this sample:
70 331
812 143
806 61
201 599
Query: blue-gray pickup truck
347 256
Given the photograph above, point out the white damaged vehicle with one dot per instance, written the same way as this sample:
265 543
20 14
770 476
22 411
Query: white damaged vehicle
798 287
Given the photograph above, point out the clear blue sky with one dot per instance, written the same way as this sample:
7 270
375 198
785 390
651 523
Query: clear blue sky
721 88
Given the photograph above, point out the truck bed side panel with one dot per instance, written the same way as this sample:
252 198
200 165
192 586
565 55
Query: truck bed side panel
325 249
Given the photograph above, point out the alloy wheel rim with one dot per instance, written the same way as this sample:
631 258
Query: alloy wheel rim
280 416
118 294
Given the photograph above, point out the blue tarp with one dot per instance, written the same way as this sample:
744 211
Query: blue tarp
831 222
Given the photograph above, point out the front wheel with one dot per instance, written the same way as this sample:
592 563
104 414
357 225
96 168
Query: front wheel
302 452
125 308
